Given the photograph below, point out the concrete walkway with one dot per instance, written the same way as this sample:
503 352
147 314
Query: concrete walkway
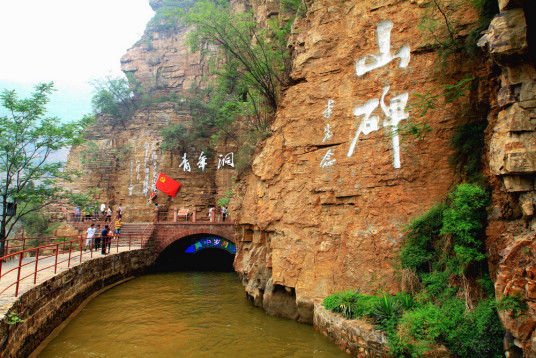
47 266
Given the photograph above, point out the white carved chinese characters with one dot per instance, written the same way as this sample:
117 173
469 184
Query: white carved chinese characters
185 164
396 110
327 160
228 159
371 62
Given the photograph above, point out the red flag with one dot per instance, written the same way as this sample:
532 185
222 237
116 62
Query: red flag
167 185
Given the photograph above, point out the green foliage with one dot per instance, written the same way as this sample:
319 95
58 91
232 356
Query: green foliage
449 235
228 195
447 34
487 9
13 318
247 68
29 175
443 247
515 303
449 94
351 304
256 56
164 20
87 199
463 222
476 333
418 253
386 309
430 100
175 137
438 25
34 224
468 142
294 8
114 97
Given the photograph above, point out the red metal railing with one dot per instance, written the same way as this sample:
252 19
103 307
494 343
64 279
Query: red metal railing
20 267
71 217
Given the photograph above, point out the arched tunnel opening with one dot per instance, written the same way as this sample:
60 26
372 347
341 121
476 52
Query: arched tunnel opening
203 252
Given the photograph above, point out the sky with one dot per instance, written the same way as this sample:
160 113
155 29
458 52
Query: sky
69 42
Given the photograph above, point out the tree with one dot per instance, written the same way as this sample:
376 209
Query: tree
29 174
256 56
114 97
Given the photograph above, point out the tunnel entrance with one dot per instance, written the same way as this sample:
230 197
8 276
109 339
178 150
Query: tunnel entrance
201 252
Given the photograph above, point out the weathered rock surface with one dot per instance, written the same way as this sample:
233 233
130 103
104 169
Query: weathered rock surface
124 159
512 156
329 194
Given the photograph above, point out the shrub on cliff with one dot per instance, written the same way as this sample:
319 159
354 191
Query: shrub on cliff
444 249
115 98
255 55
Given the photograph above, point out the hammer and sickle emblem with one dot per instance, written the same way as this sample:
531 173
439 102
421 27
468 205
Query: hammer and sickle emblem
163 180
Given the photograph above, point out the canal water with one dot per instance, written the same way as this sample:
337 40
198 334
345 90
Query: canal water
184 314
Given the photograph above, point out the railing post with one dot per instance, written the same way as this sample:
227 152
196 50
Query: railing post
56 261
18 274
36 263
117 238
175 210
70 249
194 215
81 247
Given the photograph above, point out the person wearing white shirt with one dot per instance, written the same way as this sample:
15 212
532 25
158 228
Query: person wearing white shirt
90 234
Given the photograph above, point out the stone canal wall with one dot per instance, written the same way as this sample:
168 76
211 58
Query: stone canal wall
356 337
46 306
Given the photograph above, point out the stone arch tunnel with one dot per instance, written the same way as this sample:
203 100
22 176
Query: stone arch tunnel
188 247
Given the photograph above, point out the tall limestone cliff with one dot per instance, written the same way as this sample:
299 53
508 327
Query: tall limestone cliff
328 197
123 157
325 205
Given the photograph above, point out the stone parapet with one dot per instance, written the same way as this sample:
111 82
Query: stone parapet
46 306
356 337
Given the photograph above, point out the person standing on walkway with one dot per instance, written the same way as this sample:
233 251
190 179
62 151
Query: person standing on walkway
90 234
223 213
120 211
118 225
102 210
108 215
97 238
77 214
211 213
105 236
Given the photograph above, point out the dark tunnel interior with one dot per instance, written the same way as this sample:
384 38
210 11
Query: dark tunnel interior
174 258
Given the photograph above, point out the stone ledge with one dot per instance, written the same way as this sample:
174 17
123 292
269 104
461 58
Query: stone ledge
356 337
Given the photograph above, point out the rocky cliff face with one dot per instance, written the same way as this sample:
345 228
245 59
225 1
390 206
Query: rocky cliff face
123 159
328 196
511 163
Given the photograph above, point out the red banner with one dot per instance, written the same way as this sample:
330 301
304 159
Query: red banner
167 185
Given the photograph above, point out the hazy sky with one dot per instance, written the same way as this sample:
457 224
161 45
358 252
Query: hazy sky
70 42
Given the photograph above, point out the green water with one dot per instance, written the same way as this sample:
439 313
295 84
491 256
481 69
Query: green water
186 314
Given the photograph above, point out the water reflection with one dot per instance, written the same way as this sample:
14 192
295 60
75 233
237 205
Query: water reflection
186 314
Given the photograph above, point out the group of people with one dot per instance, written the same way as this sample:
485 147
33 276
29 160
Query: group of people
92 213
213 211
102 240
